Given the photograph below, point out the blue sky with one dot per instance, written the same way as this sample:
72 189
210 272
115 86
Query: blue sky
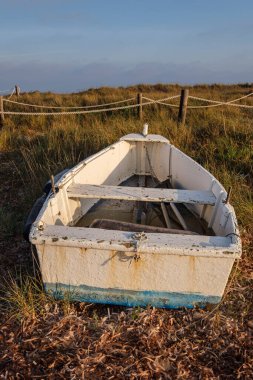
62 45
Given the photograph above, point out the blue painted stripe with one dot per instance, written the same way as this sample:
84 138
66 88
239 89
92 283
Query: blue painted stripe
130 298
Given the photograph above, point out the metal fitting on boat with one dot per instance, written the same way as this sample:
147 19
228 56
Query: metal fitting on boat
40 226
139 236
145 130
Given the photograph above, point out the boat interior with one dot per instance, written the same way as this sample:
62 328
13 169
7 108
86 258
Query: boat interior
144 216
141 184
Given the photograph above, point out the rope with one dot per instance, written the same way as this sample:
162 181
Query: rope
149 101
85 112
65 107
10 95
75 112
7 93
161 101
219 102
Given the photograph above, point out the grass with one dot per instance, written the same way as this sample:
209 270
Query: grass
24 298
103 342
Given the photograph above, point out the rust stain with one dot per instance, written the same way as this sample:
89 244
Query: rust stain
192 272
136 270
128 244
137 257
83 250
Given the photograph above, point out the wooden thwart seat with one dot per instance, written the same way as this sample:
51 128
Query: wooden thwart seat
144 194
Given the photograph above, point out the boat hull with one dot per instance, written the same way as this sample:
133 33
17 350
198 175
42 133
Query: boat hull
126 278
130 298
136 269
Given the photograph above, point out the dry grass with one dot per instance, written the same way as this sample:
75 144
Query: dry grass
85 341
42 338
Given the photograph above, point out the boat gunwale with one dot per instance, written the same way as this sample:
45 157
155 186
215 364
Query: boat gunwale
127 241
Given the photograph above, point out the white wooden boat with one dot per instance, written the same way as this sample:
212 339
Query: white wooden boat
137 223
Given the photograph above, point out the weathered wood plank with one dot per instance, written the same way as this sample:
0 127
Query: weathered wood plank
143 194
110 224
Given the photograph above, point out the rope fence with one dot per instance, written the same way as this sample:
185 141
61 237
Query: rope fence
151 101
116 105
69 107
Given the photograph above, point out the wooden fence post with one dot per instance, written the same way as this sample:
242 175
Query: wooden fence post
139 101
1 111
17 90
183 106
